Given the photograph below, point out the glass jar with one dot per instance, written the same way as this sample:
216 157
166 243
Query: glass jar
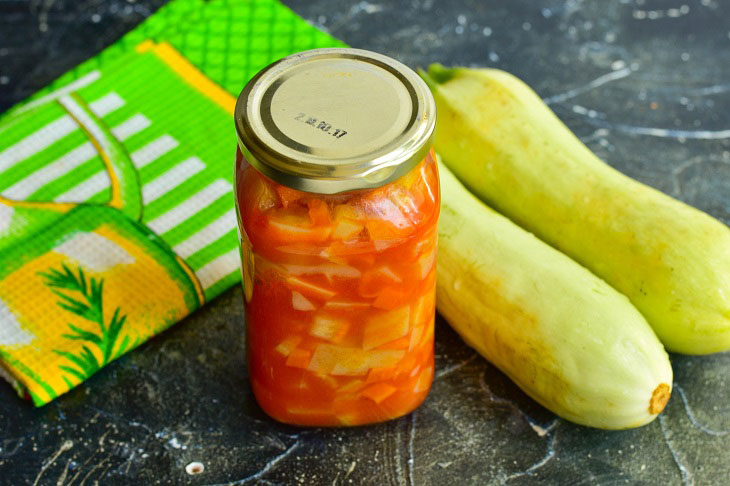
338 200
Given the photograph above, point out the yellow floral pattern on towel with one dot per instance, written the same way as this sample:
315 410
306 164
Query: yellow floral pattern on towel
83 283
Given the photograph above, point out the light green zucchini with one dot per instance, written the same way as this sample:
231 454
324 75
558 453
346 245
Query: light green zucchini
563 335
671 260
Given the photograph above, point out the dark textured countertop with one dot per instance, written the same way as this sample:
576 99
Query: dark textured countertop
644 83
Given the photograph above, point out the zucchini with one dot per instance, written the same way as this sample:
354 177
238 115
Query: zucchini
568 339
671 260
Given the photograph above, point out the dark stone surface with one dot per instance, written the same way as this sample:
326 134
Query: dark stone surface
646 84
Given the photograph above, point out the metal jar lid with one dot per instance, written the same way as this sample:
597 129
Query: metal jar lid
334 120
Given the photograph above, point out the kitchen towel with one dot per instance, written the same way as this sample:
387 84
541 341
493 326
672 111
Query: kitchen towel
116 207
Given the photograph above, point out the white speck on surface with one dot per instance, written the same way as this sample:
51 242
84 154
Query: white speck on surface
366 7
459 29
175 444
616 65
195 468
4 80
685 56
96 18
493 56
461 19
526 26
486 32
321 19
547 13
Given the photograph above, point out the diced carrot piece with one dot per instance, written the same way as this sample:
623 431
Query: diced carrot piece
310 414
344 229
424 380
415 337
352 247
386 327
290 226
345 305
370 285
349 410
427 334
382 245
348 361
288 345
426 244
299 358
347 222
385 358
280 231
406 365
430 281
309 289
351 386
408 203
329 270
389 298
351 211
387 216
373 281
338 360
319 212
423 309
378 392
380 374
301 303
384 230
327 380
401 343
425 262
329 328
301 249
347 369
389 273
288 195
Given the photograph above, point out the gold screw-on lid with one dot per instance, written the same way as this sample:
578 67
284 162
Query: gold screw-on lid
334 120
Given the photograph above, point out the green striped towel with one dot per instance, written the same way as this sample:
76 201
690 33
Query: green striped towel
116 206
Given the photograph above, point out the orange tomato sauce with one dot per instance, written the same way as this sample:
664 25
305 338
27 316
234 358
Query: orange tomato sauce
340 297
